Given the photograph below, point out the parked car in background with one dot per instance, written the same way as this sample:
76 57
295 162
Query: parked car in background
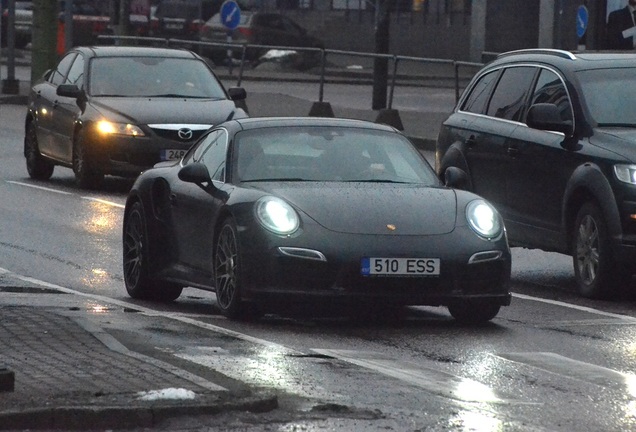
114 110
259 28
181 19
23 23
549 138
269 212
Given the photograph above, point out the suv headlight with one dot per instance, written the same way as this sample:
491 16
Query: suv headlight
484 219
110 128
626 173
276 215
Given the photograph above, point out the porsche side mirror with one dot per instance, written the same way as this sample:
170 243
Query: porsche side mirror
546 116
456 178
237 93
195 173
69 90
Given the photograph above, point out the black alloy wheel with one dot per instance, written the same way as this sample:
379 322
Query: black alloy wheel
138 283
227 275
37 167
87 174
597 274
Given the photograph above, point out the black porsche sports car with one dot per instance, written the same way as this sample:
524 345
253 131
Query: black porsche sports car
265 210
115 110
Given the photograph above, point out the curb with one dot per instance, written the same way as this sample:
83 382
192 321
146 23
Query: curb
122 416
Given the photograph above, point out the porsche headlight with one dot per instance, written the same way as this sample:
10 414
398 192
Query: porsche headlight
276 215
626 173
484 219
110 128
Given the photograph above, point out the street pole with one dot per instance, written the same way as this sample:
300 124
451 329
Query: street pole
44 37
381 65
10 85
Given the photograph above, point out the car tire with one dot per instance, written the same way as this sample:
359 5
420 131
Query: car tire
473 311
596 273
227 275
87 175
138 282
37 166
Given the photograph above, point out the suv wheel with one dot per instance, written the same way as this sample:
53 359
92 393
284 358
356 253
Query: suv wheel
595 271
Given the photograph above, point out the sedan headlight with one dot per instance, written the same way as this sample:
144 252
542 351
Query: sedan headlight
110 128
626 173
276 215
484 219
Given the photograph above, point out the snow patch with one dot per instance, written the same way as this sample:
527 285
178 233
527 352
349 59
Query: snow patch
169 393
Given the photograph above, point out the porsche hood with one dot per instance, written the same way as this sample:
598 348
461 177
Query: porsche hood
374 208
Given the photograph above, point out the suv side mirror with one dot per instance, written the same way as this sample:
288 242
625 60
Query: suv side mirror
546 116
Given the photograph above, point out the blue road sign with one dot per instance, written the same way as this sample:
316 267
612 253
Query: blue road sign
230 14
582 17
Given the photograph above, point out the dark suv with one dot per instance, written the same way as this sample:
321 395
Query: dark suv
549 137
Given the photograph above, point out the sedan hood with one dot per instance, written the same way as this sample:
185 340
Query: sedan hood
149 110
370 208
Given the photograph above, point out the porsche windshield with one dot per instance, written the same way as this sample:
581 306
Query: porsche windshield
329 154
610 95
152 76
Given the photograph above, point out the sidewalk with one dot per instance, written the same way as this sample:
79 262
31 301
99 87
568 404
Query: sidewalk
60 370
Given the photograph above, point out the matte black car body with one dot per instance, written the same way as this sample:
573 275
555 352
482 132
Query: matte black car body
546 148
163 115
176 216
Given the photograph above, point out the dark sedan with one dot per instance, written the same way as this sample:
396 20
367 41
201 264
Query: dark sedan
274 210
119 110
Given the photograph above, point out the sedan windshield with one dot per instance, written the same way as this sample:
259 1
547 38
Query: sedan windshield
329 154
152 76
610 95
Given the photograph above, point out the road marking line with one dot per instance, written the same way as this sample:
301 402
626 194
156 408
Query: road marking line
576 307
432 380
577 369
39 187
110 203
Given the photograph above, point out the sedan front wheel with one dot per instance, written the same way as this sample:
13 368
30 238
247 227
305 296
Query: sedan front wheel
37 167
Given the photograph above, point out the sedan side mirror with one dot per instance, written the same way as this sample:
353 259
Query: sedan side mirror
237 93
69 90
195 173
546 116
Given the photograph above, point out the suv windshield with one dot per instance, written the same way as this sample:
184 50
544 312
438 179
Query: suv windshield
153 76
610 95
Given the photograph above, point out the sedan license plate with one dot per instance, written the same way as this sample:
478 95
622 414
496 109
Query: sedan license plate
167 155
400 267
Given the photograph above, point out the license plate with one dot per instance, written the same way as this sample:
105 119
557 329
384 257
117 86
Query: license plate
400 267
172 154
174 26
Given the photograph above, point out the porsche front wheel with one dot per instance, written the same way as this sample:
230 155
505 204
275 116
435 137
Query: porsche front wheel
37 167
227 275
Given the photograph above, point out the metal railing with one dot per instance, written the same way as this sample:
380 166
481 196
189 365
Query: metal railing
455 67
